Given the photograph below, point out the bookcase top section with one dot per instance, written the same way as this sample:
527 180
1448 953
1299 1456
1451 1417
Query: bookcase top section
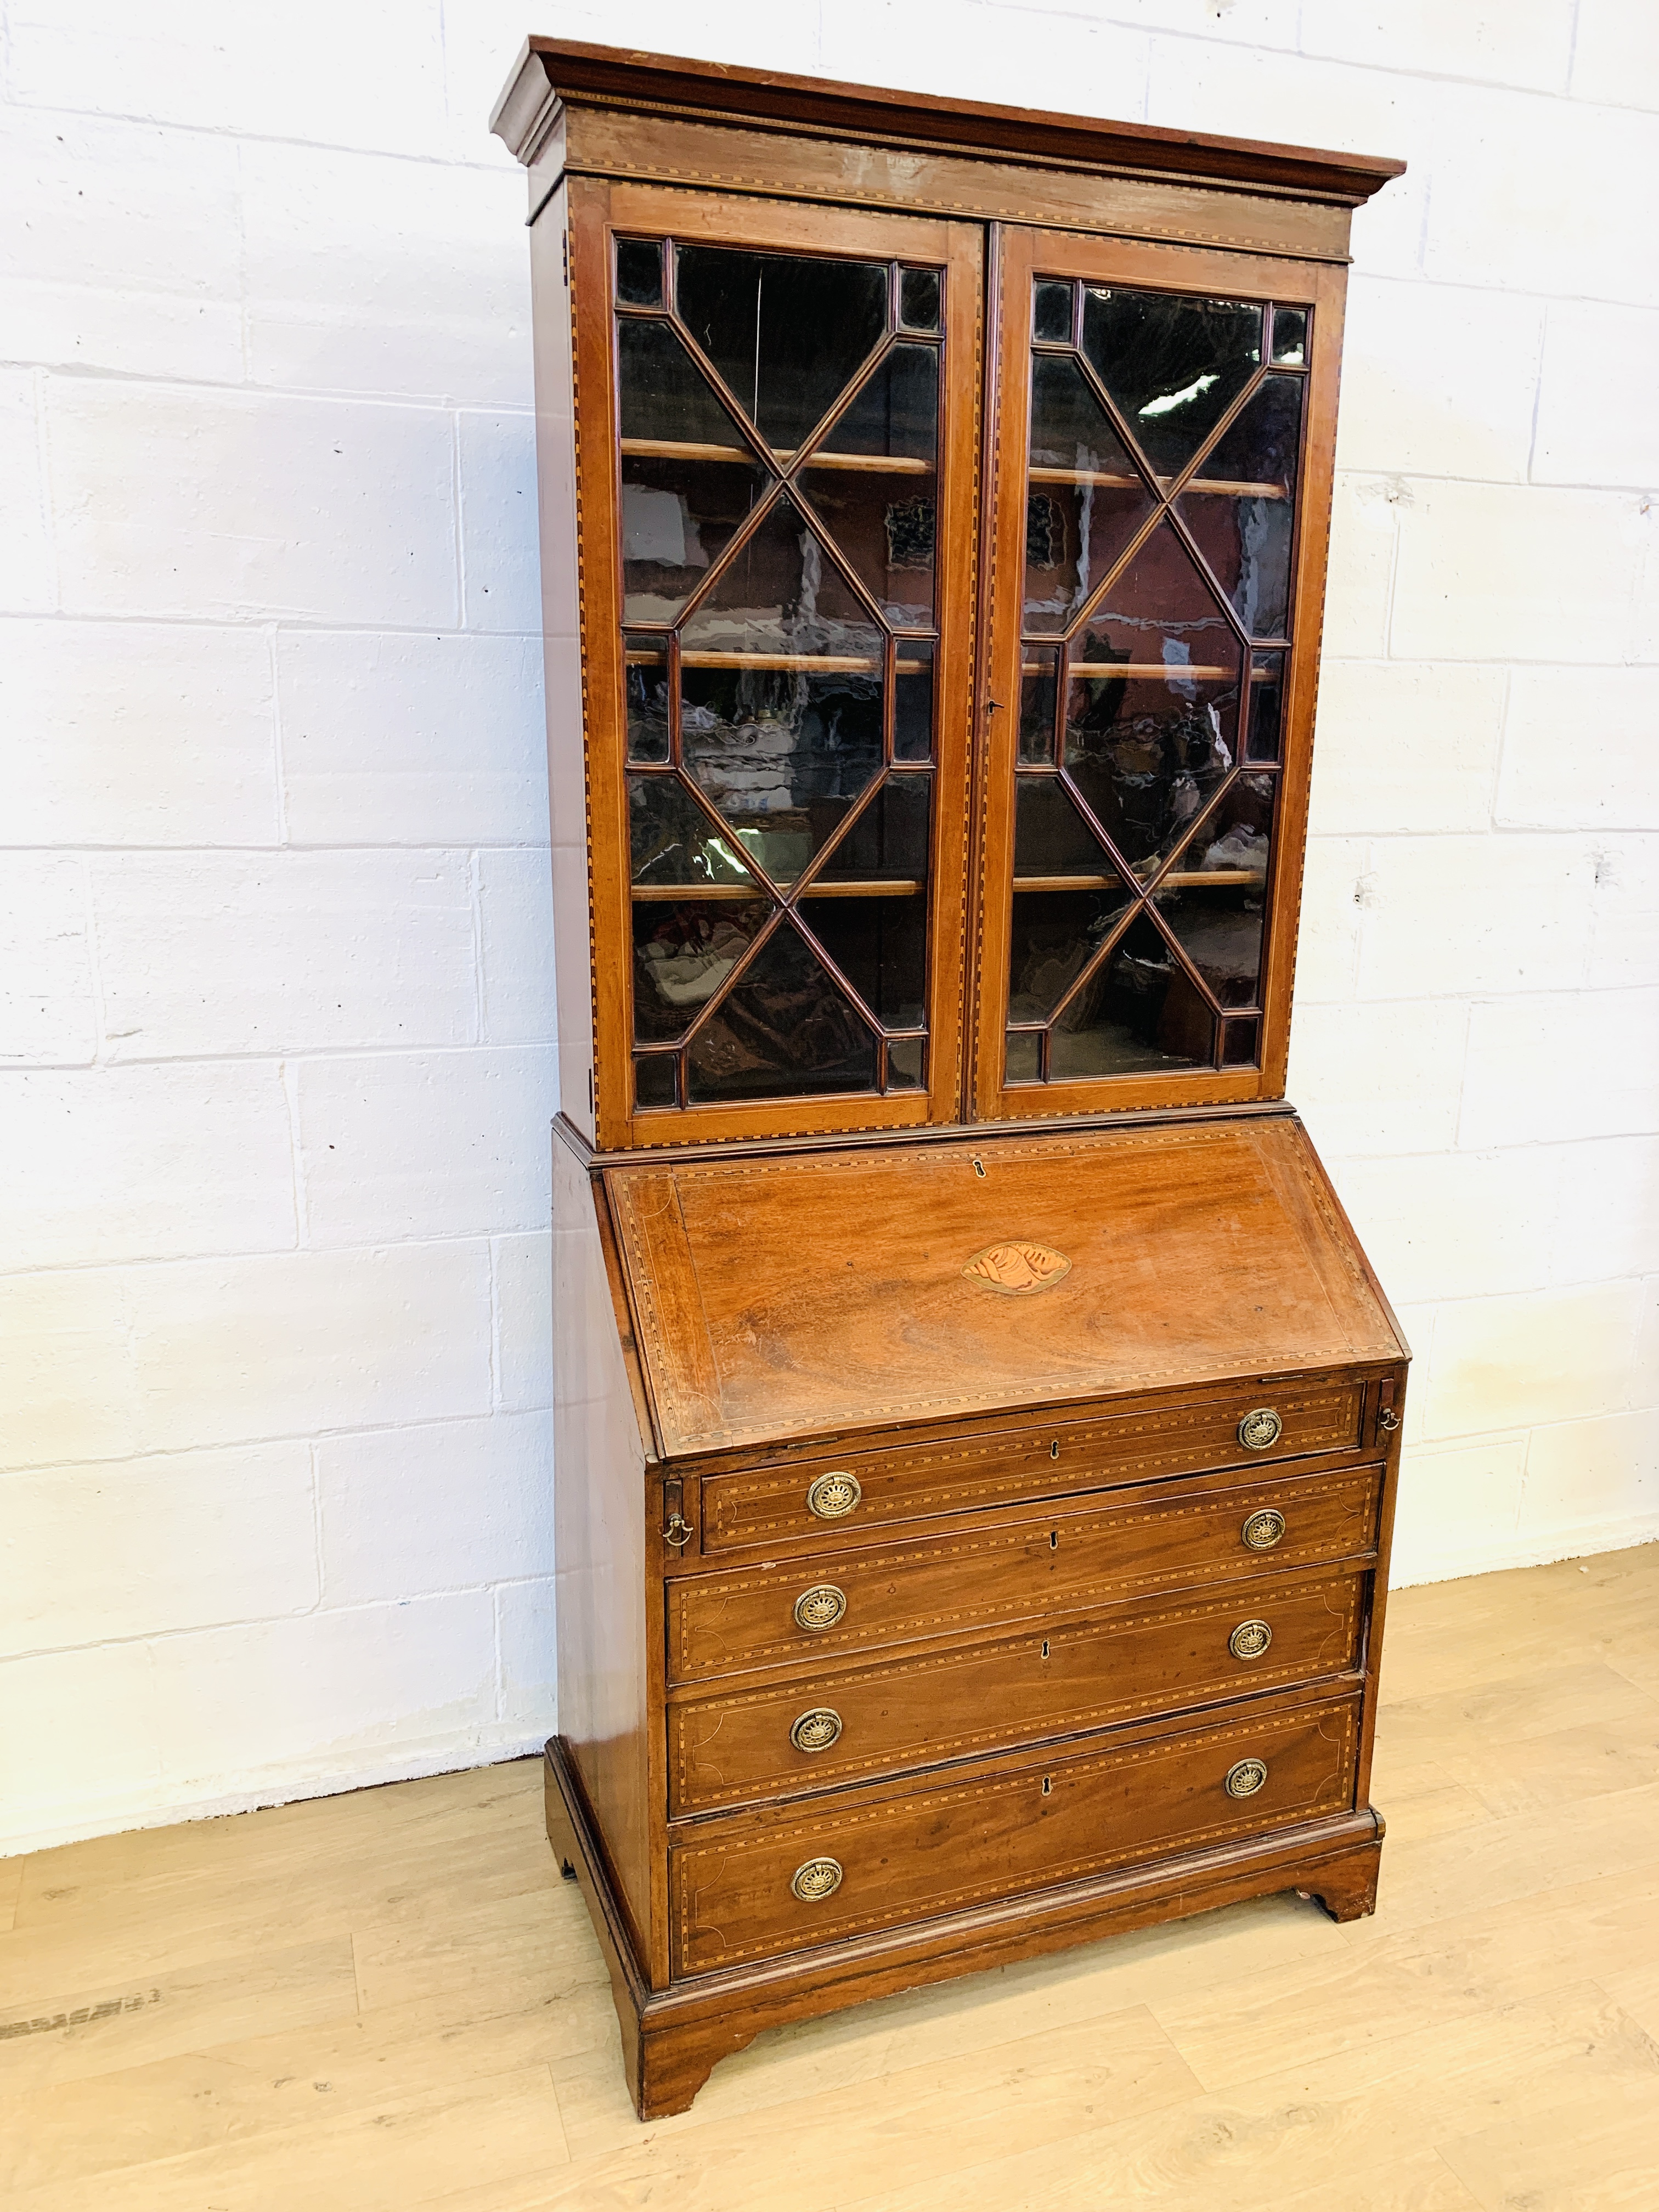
787 1297
553 73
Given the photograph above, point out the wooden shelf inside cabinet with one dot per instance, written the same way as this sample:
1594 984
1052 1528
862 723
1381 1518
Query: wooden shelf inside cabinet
975 1424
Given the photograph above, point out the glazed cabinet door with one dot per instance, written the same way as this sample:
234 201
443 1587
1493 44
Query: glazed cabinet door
1162 443
777 412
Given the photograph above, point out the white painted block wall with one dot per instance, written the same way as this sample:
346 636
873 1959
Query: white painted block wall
275 996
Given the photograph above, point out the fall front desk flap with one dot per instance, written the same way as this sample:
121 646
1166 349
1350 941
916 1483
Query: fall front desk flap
786 1298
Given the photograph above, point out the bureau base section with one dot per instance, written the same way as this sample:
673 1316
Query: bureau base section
673 2039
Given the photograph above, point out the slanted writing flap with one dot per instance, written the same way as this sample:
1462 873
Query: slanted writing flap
817 1293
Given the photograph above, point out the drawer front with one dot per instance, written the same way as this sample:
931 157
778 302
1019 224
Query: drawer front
805 1504
1129 1664
769 1885
956 1585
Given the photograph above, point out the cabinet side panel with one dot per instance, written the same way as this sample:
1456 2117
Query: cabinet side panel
599 1536
555 477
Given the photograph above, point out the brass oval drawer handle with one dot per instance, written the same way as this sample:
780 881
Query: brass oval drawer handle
832 1496
816 1730
819 1607
1264 1529
1246 1778
1259 1429
1249 1639
818 1878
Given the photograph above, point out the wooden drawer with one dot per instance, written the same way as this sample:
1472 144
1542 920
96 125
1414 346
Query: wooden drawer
769 1505
1126 1664
908 1858
956 1585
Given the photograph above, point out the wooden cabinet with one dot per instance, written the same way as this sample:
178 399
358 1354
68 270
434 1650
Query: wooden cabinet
976 1420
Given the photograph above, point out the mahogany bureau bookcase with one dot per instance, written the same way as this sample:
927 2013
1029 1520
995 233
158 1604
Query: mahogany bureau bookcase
976 1421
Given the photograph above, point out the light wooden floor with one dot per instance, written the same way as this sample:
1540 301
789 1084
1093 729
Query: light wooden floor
391 2000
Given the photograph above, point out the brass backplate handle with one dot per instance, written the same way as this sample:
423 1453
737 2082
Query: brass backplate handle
1263 1529
1259 1429
819 1607
1249 1639
816 1878
817 1729
1246 1776
832 1496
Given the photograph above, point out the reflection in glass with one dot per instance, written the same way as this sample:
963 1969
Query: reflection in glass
683 952
1140 1011
687 477
913 701
786 332
783 1028
1266 704
672 840
1038 690
906 1063
785 594
653 1079
888 844
639 271
1238 1042
1055 935
1215 899
919 299
1051 311
880 946
1024 1050
883 517
1244 527
1235 839
1290 337
1172 365
1086 499
1051 838
645 666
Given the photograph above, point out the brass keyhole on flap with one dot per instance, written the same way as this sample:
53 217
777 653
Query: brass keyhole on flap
979 1167
1047 1785
1054 1448
1045 1647
1053 1540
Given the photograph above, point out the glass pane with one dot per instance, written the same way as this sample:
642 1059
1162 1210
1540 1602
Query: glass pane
672 840
782 1030
687 475
880 946
919 299
1138 1013
1238 1042
1214 899
1055 934
1266 704
1051 311
647 664
1290 337
786 332
1234 841
888 844
1051 838
1023 1051
1038 689
1086 501
1149 747
1174 366
1241 507
881 516
780 685
913 701
906 1063
639 271
682 955
653 1079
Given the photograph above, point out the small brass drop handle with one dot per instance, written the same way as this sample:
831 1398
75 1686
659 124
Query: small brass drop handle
1388 1420
678 1532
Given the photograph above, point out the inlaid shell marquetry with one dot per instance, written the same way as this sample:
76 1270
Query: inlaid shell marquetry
1018 1269
818 1878
1263 1529
820 1607
1249 1639
833 1496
